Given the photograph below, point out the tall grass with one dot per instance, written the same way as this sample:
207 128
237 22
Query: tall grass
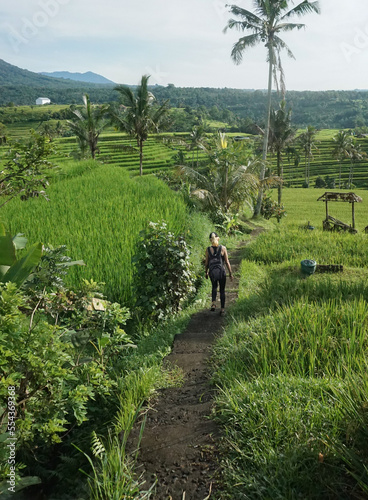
98 211
305 339
292 368
321 246
276 431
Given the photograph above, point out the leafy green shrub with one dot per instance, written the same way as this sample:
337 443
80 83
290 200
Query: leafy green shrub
319 182
24 174
163 276
270 208
57 349
330 182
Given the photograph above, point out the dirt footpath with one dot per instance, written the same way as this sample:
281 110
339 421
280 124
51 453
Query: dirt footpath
180 440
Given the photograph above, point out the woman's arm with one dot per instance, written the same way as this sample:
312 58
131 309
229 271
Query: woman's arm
206 263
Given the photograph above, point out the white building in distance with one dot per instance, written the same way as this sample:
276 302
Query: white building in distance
43 100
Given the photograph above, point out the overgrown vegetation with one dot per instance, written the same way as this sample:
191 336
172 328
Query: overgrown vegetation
63 345
164 277
292 364
292 367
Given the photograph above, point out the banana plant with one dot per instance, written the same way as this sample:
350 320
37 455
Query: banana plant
12 269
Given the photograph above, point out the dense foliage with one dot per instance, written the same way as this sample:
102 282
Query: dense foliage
57 349
341 109
164 277
24 172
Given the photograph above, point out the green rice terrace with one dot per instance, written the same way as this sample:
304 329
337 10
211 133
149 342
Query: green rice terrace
160 155
86 326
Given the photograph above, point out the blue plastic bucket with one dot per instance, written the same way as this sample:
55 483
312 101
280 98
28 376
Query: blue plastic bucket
308 266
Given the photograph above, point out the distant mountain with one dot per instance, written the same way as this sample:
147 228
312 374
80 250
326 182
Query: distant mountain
12 75
88 77
20 86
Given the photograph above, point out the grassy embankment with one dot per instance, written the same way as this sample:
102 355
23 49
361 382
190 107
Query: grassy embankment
98 210
292 365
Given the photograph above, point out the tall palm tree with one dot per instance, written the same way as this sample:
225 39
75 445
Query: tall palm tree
88 126
292 154
281 134
270 18
308 144
341 148
197 140
355 154
140 115
230 178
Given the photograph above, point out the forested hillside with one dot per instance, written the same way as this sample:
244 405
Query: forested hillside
322 109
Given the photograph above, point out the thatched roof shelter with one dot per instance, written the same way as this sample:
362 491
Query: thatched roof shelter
349 197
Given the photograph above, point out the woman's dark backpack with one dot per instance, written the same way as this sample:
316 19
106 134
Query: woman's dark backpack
215 264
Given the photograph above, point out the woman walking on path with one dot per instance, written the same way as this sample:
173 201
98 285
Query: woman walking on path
216 258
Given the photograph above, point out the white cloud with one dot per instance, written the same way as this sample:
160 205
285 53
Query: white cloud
180 42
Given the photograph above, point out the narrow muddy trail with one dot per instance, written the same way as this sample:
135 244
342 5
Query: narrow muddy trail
179 445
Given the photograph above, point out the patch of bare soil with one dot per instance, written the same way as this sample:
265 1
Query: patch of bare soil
179 444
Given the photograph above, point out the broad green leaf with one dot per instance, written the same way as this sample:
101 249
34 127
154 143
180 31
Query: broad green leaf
22 483
3 270
4 437
20 241
102 342
7 250
72 263
20 271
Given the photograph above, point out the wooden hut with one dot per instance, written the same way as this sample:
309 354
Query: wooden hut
332 224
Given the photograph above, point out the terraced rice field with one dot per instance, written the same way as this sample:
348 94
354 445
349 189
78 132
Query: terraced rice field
121 151
118 149
323 164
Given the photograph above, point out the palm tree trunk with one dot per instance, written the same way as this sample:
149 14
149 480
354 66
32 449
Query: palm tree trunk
225 189
140 157
279 173
265 138
351 175
269 97
308 168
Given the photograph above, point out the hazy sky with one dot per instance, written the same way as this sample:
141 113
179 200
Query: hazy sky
181 42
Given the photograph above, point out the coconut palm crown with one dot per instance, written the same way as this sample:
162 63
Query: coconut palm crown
140 115
89 123
264 25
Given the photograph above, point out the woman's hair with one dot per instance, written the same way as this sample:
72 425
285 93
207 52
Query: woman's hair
214 238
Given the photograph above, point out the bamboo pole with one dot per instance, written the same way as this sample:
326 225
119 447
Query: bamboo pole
353 215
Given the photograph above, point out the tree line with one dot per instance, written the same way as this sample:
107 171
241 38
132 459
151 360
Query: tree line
336 109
